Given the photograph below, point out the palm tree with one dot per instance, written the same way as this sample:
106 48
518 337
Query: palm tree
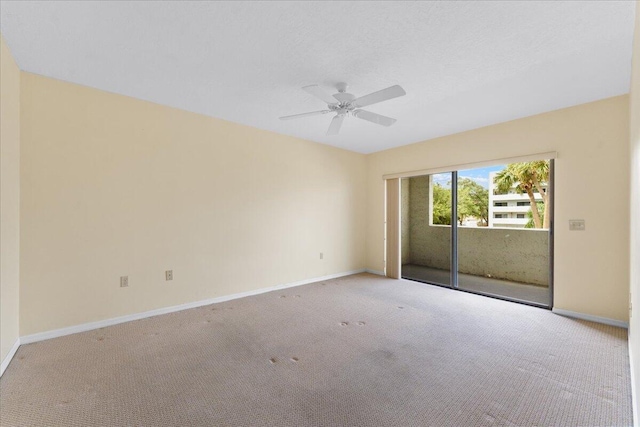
530 224
527 177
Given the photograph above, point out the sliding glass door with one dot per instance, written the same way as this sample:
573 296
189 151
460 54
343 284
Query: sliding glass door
489 233
504 231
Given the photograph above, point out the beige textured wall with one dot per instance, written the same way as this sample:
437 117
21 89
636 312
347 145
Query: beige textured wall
116 186
634 98
511 254
9 199
592 183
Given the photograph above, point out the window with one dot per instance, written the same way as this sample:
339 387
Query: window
499 203
497 215
520 216
524 203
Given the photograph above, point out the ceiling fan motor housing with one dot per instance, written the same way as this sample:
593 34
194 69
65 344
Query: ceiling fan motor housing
341 87
344 97
344 100
344 105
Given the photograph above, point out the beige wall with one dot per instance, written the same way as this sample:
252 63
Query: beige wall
634 101
592 183
9 199
115 186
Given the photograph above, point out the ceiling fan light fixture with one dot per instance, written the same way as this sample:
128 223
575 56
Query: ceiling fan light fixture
344 104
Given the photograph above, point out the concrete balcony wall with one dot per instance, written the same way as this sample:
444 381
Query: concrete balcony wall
428 245
508 222
519 255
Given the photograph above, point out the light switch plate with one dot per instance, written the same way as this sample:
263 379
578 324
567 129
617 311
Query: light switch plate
576 224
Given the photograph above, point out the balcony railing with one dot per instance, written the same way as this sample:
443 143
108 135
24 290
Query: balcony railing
518 197
518 209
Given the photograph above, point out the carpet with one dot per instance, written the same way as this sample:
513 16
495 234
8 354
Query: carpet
361 350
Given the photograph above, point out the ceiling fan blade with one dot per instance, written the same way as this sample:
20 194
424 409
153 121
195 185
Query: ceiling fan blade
313 113
374 118
319 93
379 96
335 125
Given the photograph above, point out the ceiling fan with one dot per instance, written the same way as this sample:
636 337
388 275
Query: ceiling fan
343 104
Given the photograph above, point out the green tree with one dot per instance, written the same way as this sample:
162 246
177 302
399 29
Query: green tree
530 223
441 205
473 201
527 177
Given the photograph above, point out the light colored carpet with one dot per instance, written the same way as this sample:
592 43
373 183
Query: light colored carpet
357 351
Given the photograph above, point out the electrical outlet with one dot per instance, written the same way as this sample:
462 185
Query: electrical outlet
321 255
124 281
576 224
168 275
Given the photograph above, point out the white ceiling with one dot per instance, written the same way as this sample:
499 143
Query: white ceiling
464 65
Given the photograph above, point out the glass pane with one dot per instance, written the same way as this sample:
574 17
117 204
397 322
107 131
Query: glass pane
503 245
426 228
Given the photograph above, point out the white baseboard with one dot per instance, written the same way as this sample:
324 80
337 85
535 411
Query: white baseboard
10 355
41 336
378 272
591 318
634 395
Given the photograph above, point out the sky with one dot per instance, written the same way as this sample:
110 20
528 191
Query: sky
479 175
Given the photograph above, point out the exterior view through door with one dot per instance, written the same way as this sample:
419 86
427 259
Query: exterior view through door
490 233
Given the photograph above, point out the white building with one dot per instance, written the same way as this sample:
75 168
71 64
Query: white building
509 210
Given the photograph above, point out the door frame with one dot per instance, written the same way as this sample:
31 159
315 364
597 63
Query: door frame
393 215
